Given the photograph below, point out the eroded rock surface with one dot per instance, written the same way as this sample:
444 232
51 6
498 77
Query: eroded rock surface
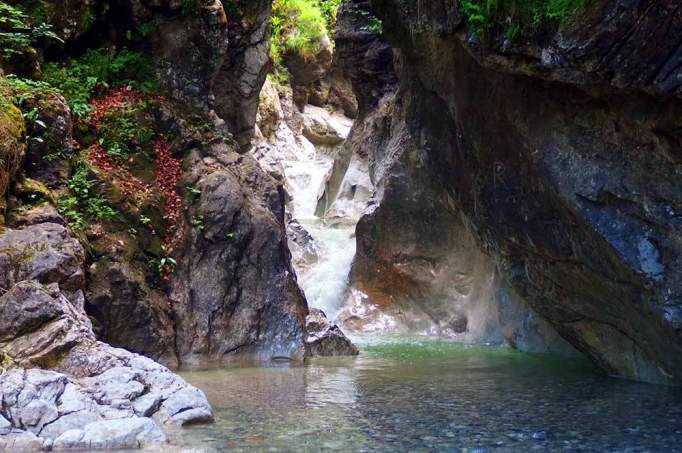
573 188
93 395
325 339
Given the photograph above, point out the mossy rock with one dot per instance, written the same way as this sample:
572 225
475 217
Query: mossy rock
12 145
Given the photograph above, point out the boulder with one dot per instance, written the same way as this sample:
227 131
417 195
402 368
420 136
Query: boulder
88 383
134 433
45 252
325 339
129 314
235 292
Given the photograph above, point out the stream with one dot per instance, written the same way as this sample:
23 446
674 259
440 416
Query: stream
409 393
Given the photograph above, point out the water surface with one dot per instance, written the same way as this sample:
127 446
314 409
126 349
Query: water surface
428 395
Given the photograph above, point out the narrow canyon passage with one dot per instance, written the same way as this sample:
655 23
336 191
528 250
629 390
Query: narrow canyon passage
408 390
341 226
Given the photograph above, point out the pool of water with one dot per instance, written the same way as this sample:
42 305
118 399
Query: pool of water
426 395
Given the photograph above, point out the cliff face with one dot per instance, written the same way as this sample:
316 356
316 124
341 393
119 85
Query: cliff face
193 264
561 150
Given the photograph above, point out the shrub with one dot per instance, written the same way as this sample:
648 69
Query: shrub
126 129
81 204
17 33
297 26
518 16
80 79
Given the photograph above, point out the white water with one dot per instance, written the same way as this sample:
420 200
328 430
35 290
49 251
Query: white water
324 282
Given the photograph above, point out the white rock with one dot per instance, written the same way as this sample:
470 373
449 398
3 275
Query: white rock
135 432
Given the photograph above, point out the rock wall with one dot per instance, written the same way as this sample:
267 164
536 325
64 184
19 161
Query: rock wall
561 151
231 291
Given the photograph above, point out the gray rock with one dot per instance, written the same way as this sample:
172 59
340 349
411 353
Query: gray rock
559 166
93 383
134 432
20 441
45 252
5 426
235 291
326 339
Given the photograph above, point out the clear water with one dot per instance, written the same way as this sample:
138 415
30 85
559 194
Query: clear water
428 395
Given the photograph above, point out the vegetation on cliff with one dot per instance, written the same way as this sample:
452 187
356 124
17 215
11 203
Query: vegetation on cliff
517 16
298 26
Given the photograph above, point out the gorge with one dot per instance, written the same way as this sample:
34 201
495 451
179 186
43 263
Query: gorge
340 225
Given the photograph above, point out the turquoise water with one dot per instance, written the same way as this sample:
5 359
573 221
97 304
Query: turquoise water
428 395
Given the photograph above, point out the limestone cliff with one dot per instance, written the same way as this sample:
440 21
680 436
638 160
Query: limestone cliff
561 150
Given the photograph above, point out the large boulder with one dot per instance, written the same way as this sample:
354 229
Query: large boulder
235 292
129 313
45 252
93 395
563 164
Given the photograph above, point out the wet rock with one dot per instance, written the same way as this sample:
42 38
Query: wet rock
558 165
324 338
302 245
235 292
322 129
128 312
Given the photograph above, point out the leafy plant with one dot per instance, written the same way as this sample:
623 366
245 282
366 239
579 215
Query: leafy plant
197 222
81 204
126 130
297 26
165 266
517 16
81 78
17 33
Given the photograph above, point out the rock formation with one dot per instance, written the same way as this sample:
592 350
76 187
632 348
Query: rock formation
559 149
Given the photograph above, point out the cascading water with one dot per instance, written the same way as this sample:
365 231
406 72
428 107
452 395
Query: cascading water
325 280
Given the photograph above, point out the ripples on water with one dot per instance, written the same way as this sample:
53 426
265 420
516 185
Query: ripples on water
419 395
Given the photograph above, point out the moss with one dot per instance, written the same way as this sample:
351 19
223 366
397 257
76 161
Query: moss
12 145
6 361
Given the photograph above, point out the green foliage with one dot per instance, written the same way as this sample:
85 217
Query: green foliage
518 16
297 26
374 23
126 130
329 9
18 33
197 222
81 204
19 91
80 79
165 266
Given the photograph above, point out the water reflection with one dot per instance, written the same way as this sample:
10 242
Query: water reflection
435 396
